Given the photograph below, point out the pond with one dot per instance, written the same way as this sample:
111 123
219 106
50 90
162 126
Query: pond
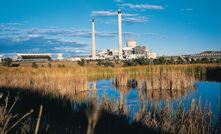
205 92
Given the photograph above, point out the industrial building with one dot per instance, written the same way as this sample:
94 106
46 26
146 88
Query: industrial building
33 57
131 51
60 56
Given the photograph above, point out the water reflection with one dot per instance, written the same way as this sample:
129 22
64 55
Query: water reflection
133 93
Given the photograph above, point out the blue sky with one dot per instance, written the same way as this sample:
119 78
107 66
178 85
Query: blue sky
168 27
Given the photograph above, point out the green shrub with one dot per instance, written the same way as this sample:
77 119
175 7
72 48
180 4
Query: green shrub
49 65
105 63
34 65
61 66
81 62
7 61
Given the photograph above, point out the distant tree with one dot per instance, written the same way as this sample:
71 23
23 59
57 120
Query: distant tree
61 66
117 62
212 60
34 65
180 60
156 61
49 65
141 61
187 60
204 60
7 61
162 60
105 63
198 60
81 62
192 61
172 61
218 61
99 62
108 63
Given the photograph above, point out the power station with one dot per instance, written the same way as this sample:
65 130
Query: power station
132 51
93 51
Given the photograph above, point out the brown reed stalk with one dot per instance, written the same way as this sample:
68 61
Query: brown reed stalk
38 119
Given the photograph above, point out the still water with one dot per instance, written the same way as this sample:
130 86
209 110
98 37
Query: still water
206 92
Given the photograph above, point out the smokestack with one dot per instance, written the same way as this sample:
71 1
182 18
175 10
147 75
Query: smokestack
120 34
93 51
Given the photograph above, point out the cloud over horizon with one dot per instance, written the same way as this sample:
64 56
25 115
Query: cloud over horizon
126 17
108 13
14 39
141 6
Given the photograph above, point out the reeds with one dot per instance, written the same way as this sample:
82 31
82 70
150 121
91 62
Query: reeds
64 82
8 120
170 80
194 120
108 115
70 81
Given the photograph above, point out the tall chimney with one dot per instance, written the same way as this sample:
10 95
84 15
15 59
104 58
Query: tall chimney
93 51
120 34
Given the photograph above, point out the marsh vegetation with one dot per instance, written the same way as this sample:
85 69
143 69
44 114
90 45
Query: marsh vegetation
71 103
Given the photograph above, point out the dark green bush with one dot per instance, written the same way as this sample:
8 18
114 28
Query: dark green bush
81 62
7 61
61 66
34 65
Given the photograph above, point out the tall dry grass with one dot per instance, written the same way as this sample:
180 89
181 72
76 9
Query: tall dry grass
169 79
71 80
196 119
167 119
45 80
8 120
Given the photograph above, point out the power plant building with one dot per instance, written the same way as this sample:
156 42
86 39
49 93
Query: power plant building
60 56
131 51
131 43
33 57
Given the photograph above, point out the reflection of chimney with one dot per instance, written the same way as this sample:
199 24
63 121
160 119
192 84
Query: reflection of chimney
94 85
93 51
120 34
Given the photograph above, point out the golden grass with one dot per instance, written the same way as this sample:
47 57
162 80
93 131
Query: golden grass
45 80
194 120
70 80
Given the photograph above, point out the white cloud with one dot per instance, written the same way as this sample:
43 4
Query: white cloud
109 13
103 13
127 17
139 19
141 6
187 9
